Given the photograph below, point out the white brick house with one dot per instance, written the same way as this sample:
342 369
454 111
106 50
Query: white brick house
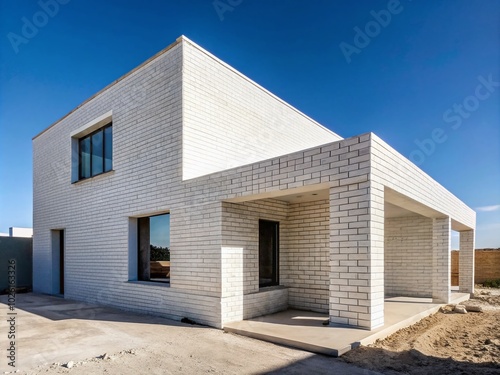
267 209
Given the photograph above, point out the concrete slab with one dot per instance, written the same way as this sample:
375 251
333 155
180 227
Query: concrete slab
52 329
305 330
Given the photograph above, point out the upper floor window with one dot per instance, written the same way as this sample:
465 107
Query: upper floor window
95 152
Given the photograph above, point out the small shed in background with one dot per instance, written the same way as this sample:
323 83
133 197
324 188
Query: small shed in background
21 250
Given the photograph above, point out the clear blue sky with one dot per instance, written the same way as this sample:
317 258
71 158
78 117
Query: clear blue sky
412 78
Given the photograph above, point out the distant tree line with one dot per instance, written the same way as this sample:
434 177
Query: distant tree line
159 253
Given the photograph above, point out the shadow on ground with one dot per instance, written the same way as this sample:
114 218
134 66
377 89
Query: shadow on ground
58 308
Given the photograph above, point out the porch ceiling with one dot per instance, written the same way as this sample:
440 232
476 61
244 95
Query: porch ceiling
308 193
408 204
392 210
308 196
398 205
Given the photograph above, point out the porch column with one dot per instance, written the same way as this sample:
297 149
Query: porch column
232 273
441 260
466 262
357 255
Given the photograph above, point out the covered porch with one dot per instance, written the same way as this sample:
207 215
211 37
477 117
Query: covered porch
306 330
357 223
386 244
344 252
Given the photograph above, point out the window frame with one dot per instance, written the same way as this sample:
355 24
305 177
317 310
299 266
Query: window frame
142 275
275 255
89 136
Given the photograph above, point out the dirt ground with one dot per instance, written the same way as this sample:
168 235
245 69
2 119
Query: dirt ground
241 356
205 351
443 343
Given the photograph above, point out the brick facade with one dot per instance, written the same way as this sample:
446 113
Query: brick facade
189 135
408 256
305 259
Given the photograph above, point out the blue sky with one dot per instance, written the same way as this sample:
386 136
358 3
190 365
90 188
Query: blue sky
407 70
159 227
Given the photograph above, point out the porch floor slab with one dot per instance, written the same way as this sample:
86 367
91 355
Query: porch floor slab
305 330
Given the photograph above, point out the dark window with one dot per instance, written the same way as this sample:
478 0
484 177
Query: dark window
97 153
85 158
61 262
96 150
154 248
108 148
57 261
268 253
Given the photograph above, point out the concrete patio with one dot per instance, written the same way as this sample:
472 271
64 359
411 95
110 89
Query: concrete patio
305 330
56 330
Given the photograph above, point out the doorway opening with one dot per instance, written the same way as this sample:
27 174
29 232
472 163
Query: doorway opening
58 262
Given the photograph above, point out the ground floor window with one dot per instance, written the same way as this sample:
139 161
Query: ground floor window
154 248
268 253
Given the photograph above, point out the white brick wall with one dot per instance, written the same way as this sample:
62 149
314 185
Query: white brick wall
394 171
265 301
441 260
240 229
214 243
304 252
147 129
408 256
241 296
466 261
305 256
225 113
357 257
195 235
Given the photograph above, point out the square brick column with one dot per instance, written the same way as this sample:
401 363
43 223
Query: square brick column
466 262
357 255
441 260
232 273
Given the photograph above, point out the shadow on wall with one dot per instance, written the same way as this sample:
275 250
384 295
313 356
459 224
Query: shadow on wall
16 262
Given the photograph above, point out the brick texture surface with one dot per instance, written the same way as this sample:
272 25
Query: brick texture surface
408 256
486 265
441 260
466 263
225 113
332 250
